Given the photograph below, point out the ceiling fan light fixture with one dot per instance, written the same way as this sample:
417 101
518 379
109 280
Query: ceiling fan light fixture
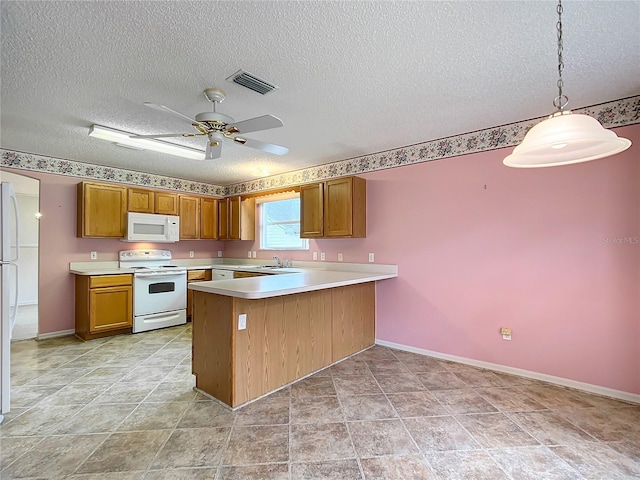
123 139
565 138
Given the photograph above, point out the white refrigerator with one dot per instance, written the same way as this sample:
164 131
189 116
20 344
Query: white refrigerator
8 286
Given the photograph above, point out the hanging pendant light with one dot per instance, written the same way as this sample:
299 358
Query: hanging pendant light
565 137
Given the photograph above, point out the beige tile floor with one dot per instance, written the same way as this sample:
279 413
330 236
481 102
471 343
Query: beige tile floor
124 408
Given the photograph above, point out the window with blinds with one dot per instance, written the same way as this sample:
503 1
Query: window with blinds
280 223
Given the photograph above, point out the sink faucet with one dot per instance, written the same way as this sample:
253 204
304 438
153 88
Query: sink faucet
278 262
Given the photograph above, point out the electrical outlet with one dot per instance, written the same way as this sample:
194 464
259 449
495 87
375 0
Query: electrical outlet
94 255
323 256
506 333
219 253
253 254
191 253
242 321
249 254
315 255
371 257
339 257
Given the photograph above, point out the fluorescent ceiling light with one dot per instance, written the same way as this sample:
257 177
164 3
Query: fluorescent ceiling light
123 139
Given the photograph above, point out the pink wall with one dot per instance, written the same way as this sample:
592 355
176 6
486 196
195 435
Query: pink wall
59 246
480 246
529 252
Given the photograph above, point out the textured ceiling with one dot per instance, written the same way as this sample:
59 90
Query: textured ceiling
355 77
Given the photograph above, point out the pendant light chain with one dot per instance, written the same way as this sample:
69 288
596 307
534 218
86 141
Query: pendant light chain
564 137
561 100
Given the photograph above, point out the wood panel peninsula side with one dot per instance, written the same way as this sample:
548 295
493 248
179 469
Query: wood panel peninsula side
287 336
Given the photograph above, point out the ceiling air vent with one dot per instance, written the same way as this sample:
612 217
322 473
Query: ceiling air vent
252 82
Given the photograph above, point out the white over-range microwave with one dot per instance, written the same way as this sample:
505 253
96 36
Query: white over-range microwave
148 227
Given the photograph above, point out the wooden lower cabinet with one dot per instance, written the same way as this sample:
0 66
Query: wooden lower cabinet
354 316
104 305
195 276
286 338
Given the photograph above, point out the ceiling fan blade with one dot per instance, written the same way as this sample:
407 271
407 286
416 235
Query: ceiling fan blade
266 147
162 108
265 122
214 151
166 135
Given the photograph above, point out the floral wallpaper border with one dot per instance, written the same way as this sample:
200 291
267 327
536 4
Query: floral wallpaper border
617 113
58 166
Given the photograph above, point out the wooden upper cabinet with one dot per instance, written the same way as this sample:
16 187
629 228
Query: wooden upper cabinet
102 210
152 201
236 218
189 217
208 218
223 219
141 200
335 208
235 205
311 210
166 203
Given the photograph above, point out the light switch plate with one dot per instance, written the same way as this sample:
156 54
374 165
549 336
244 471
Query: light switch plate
219 253
323 256
191 253
371 257
339 257
242 321
315 255
94 255
253 254
249 254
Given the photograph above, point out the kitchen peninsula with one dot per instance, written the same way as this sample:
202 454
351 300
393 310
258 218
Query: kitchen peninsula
252 336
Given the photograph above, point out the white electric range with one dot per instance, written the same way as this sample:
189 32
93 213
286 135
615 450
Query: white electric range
159 289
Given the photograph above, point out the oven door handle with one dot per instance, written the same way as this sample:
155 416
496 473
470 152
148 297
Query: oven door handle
161 274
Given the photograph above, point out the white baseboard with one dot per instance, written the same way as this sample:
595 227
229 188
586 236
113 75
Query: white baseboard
565 382
61 333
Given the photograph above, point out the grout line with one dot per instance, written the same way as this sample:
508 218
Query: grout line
346 425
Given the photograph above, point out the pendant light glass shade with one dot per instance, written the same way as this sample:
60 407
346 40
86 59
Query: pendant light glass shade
565 138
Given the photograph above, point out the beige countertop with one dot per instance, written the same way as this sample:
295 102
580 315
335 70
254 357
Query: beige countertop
305 277
297 281
111 268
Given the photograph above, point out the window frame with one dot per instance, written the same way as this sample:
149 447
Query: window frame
260 202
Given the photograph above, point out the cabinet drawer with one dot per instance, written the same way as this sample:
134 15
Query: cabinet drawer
198 275
222 275
109 281
248 274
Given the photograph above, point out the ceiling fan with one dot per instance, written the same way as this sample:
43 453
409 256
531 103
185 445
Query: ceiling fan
217 127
